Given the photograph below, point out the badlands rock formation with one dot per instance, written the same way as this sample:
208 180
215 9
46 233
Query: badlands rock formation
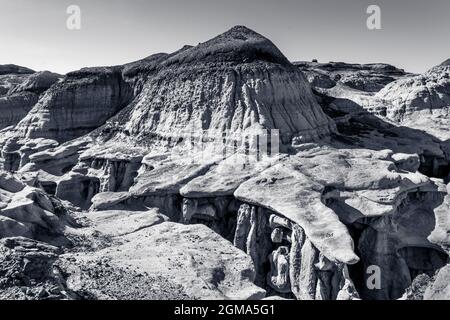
421 101
250 86
219 172
12 75
19 91
26 210
365 77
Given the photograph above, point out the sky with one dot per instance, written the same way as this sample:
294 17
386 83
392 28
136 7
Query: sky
414 34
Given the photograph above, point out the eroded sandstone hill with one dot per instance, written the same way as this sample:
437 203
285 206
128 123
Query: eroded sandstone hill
365 77
103 159
19 91
421 101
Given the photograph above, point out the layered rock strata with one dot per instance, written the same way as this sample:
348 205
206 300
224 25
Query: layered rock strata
20 89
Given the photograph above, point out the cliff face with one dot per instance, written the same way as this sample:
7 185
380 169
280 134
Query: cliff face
235 83
307 223
82 101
